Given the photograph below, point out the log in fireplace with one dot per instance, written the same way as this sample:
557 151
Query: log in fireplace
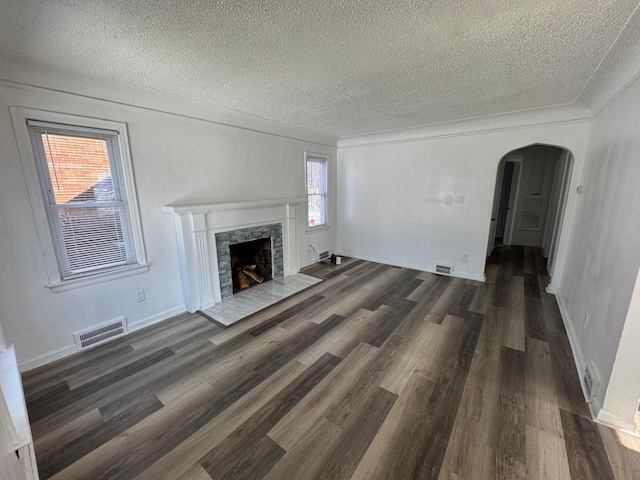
251 263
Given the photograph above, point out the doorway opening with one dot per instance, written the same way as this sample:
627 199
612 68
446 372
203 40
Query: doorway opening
531 189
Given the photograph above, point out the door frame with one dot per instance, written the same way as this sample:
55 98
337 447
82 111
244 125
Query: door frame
513 197
562 204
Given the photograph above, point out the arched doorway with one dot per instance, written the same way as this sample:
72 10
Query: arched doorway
532 184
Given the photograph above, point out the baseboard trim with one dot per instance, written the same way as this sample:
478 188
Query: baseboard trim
617 422
50 357
158 317
465 275
578 358
308 263
46 358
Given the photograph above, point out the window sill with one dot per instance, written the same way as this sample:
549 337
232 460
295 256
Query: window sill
65 285
318 228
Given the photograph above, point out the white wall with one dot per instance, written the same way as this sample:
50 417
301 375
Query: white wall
417 202
176 160
602 265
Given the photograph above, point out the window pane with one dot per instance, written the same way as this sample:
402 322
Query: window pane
316 210
93 237
316 177
79 168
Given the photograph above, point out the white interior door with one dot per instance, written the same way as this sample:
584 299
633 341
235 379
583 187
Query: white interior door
495 207
538 168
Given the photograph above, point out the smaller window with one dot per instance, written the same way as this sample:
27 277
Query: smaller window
317 191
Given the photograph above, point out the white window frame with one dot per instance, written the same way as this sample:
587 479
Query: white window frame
19 117
326 159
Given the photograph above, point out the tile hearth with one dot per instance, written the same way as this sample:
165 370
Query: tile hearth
235 308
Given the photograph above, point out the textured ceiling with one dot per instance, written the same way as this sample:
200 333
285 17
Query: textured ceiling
337 67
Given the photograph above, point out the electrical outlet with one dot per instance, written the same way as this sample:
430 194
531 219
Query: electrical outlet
140 297
586 320
465 257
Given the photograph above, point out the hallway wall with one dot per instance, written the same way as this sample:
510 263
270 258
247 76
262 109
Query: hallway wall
604 258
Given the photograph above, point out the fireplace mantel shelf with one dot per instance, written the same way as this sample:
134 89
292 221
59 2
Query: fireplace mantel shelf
221 206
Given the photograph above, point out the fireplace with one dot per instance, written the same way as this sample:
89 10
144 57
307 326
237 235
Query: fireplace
263 238
251 263
204 232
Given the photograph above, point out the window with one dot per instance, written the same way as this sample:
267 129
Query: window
91 228
317 190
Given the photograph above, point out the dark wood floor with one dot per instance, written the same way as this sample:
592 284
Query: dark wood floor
376 373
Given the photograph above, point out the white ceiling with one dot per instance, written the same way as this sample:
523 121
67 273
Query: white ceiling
340 68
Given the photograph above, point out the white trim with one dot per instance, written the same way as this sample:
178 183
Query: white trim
599 414
224 206
261 126
46 358
456 273
578 357
319 228
327 160
19 117
157 317
126 271
432 132
307 263
617 422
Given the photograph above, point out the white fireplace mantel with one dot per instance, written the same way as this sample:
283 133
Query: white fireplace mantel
196 227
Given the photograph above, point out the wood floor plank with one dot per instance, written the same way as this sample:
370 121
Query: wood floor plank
541 401
493 332
333 388
397 376
357 435
202 441
568 389
491 273
227 454
468 451
419 442
429 280
515 314
376 455
482 298
340 340
585 450
67 433
253 461
623 451
510 430
196 473
546 456
551 312
307 457
89 441
386 357
534 318
50 404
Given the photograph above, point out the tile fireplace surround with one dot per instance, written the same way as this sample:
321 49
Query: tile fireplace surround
196 228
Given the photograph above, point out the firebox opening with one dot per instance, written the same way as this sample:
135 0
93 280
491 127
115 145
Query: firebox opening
251 263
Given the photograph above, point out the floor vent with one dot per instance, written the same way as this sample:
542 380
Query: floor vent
590 381
323 255
444 269
100 334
